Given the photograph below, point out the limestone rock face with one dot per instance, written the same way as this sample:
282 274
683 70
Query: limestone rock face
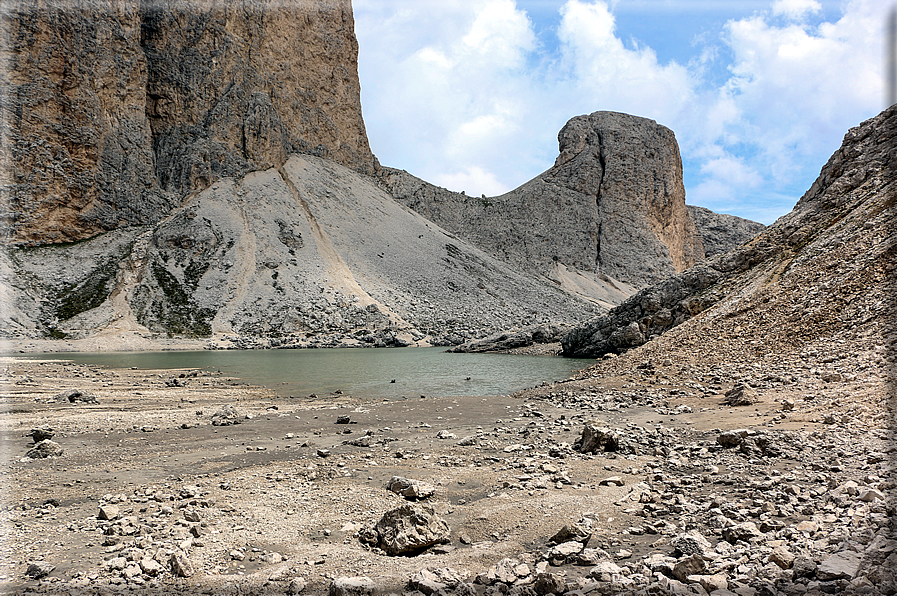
112 109
77 147
720 232
612 208
235 87
832 252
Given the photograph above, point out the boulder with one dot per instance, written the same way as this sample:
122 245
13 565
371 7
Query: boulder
407 530
597 438
572 532
39 569
842 565
412 490
73 396
181 565
44 449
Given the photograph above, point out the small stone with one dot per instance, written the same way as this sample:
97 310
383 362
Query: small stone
323 453
181 565
351 586
611 481
39 569
191 515
343 419
691 565
108 512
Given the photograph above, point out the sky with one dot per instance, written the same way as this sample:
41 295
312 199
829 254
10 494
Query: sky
470 95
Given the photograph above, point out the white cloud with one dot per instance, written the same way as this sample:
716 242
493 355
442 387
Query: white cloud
467 95
795 9
604 72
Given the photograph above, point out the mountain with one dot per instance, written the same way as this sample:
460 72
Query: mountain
112 111
309 254
202 169
610 213
823 270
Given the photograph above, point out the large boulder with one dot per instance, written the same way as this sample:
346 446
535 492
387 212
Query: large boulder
407 530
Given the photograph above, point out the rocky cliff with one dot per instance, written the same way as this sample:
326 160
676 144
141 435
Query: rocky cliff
612 208
720 232
821 270
112 110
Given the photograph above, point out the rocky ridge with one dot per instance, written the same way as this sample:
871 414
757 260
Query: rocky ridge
136 103
610 215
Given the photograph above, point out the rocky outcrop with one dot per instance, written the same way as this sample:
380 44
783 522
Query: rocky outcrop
309 254
112 110
720 232
612 208
839 235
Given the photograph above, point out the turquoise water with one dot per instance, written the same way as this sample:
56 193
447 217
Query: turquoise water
360 372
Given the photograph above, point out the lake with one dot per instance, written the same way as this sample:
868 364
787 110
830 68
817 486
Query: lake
365 373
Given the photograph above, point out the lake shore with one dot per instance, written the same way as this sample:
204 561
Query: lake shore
283 495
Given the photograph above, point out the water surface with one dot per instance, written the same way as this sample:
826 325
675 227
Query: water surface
360 372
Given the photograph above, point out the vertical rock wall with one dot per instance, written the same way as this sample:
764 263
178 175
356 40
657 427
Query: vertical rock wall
112 109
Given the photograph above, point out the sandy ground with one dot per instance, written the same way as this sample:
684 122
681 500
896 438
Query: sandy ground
264 489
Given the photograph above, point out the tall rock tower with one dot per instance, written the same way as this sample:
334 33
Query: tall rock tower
112 110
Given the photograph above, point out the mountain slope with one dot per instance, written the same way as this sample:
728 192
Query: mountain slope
311 253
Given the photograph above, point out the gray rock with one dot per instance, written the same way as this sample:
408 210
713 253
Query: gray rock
73 396
730 438
740 395
227 415
297 585
597 438
721 233
181 565
565 552
605 571
44 449
351 586
549 583
410 489
572 532
39 569
108 512
691 543
744 531
690 565
41 434
409 529
842 565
